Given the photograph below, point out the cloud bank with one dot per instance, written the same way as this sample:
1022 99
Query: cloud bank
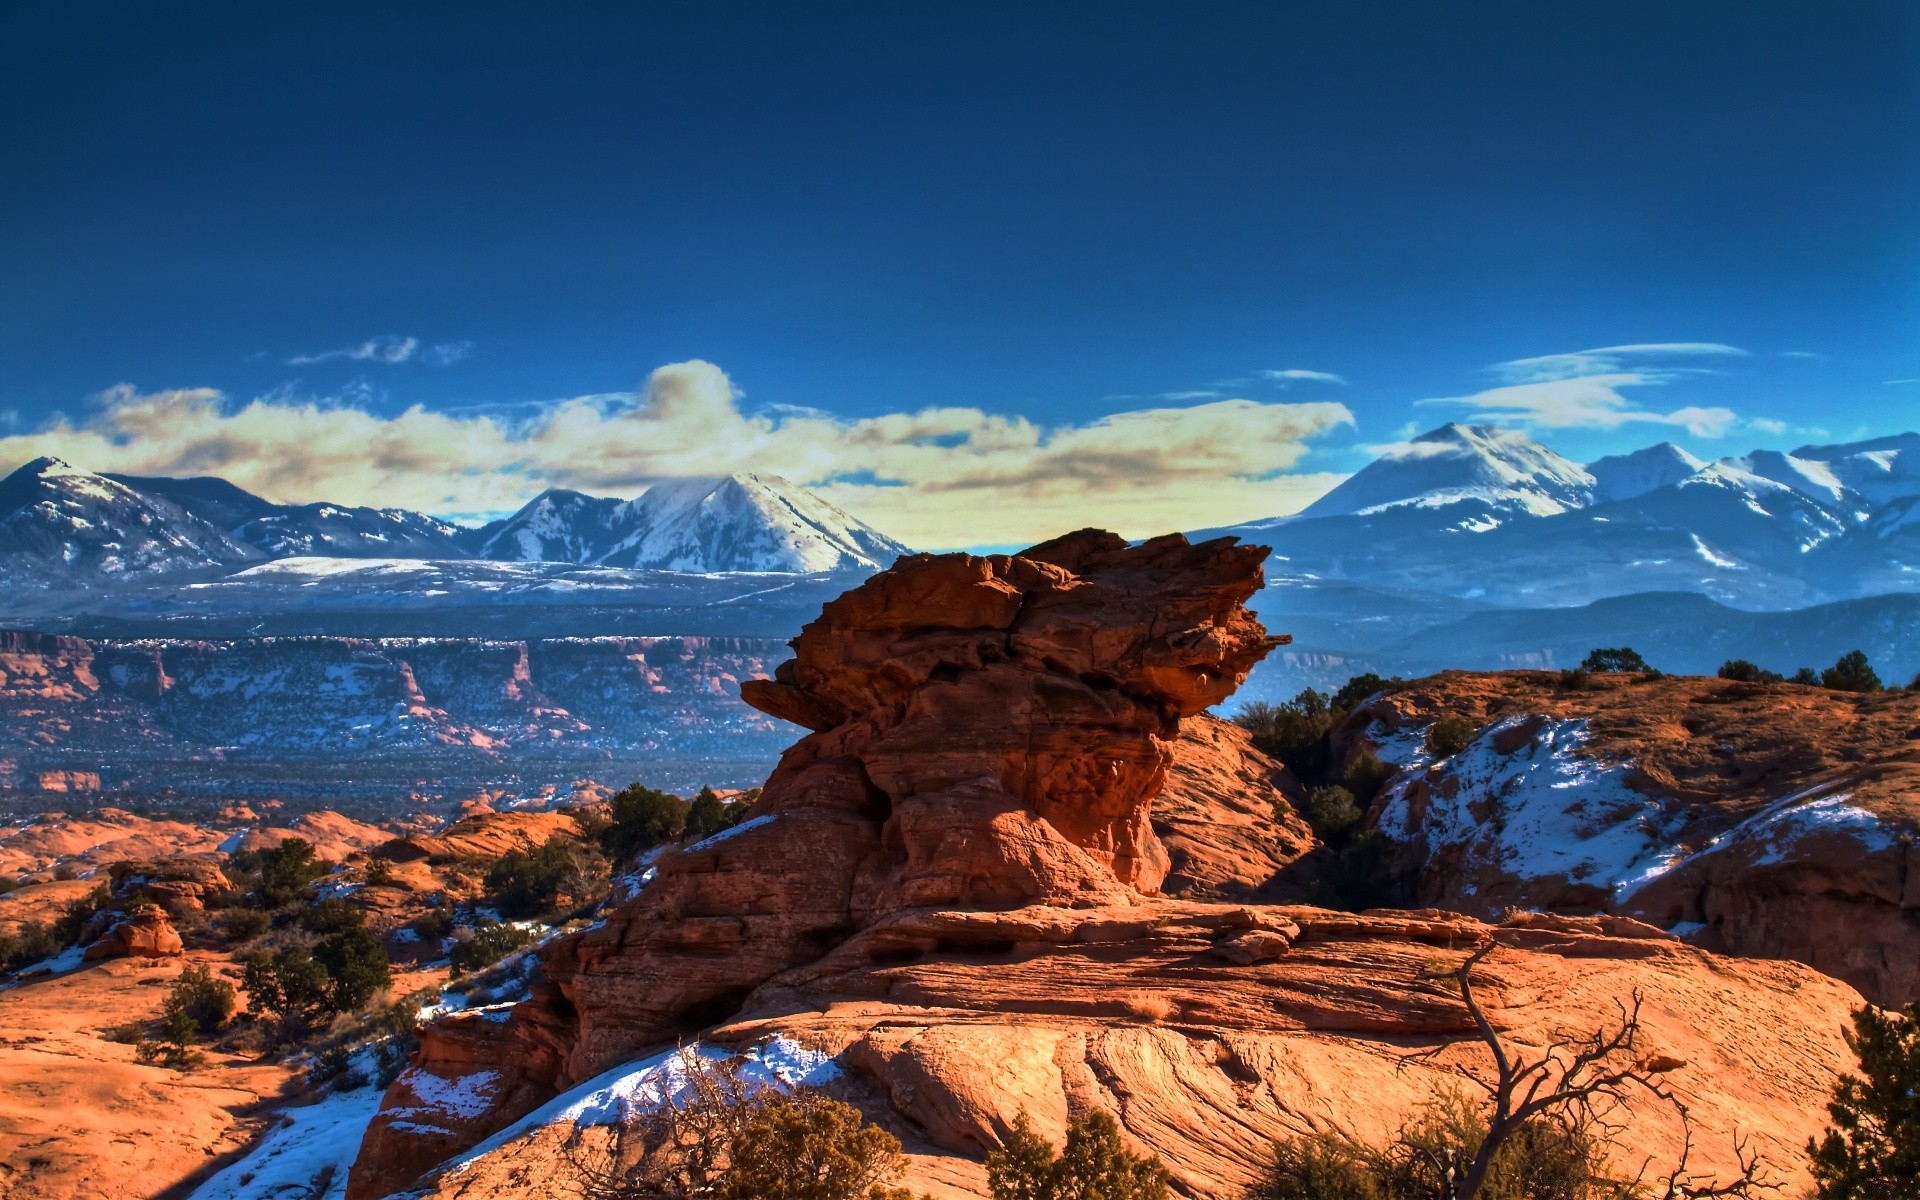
935 478
1583 389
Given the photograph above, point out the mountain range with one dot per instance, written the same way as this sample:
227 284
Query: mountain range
1488 514
64 527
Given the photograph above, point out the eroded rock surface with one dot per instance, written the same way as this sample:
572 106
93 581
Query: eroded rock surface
989 732
1773 820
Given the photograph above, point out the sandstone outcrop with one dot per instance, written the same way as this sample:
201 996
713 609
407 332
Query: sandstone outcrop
1773 820
179 885
145 932
989 732
960 884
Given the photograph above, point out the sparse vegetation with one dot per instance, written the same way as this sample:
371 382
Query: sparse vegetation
642 818
1449 735
1333 813
1540 1134
1575 679
1365 776
1739 670
1807 676
727 1138
280 875
485 944
559 875
304 986
201 999
1093 1163
1872 1149
1618 660
1851 673
709 814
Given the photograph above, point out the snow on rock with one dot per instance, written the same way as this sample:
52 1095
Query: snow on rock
642 1086
314 1143
1524 803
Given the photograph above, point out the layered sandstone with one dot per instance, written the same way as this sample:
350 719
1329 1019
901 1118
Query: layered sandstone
988 733
145 932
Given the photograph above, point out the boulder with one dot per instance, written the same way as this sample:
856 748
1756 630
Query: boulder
145 932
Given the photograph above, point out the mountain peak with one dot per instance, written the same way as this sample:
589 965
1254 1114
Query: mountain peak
1624 476
1500 468
45 465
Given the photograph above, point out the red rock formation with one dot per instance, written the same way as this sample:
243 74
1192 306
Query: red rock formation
146 932
179 885
989 733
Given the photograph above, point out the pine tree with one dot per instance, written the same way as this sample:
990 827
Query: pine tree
1094 1165
1872 1149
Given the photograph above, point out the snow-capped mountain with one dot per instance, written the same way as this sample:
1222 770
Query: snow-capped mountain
59 524
558 525
1491 516
1501 469
336 531
744 523
1624 476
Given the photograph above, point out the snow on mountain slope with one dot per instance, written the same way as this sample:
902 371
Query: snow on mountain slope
1502 468
744 523
1877 471
558 525
1624 476
342 532
212 499
59 524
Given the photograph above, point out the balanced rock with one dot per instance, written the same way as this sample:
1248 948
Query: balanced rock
988 733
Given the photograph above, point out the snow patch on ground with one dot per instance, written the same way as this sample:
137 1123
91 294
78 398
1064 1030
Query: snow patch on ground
642 1086
1773 835
1550 810
741 828
294 1156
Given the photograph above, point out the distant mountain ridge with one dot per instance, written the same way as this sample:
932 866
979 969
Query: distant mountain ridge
64 527
1490 515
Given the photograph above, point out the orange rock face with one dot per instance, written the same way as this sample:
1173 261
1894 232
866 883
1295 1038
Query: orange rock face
146 932
988 733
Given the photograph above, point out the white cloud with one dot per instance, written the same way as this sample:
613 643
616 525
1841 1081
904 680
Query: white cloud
391 351
1302 375
1608 360
1586 402
1767 425
932 477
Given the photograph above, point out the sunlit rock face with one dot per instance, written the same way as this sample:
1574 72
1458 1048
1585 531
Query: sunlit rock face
988 733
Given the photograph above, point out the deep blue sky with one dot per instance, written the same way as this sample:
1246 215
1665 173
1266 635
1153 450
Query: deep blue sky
1042 209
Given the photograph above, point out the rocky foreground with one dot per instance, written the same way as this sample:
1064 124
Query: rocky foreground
959 887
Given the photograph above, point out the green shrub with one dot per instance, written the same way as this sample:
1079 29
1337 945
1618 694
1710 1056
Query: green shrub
1332 813
377 873
641 818
28 944
1294 732
1575 679
1094 1163
1852 673
1449 735
1357 690
286 872
559 874
1915 685
286 982
1547 1159
1365 776
1614 661
808 1147
1872 1148
244 924
487 943
199 1000
708 815
1741 671
1807 676
332 915
356 965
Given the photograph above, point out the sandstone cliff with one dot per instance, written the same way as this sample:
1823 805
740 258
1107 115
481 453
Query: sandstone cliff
954 885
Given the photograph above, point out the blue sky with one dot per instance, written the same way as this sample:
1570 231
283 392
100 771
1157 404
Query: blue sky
277 228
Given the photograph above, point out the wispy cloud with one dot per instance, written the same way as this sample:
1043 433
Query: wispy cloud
1585 402
932 477
1584 389
391 351
1892 382
1607 360
1291 375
